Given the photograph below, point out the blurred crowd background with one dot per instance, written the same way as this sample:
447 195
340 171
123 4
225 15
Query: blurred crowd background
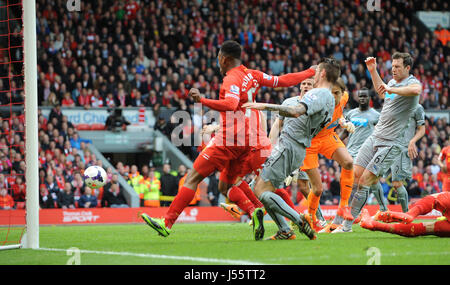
150 53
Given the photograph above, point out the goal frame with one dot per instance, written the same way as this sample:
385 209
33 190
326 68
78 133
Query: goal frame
31 237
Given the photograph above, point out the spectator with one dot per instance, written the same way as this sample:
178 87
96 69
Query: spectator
87 200
134 179
169 184
52 186
66 198
6 201
45 198
150 189
114 197
19 190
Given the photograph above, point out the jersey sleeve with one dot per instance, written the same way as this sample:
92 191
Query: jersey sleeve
419 115
287 80
231 98
313 103
413 80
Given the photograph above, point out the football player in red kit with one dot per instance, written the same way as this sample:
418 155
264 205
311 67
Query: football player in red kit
234 140
405 226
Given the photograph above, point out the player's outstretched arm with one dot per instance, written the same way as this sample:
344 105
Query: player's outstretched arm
230 103
285 111
287 80
379 85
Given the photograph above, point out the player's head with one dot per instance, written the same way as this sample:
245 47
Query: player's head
363 97
338 90
306 85
401 65
327 71
229 56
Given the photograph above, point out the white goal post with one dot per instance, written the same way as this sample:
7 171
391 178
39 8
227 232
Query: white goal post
31 238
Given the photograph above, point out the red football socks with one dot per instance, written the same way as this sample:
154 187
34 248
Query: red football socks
285 195
422 207
236 195
407 230
181 201
250 195
442 229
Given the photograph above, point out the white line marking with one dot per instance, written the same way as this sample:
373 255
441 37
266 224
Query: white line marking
173 257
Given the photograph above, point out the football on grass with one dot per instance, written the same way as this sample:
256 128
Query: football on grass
95 177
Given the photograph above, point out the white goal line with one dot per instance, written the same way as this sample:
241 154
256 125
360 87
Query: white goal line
159 256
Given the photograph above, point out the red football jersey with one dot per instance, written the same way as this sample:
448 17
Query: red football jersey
240 85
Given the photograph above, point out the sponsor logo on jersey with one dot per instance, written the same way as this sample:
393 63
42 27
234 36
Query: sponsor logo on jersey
267 76
360 122
390 96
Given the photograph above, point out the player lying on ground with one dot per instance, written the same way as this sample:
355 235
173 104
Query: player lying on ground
379 151
303 120
232 141
405 227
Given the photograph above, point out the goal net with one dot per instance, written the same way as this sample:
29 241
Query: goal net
15 152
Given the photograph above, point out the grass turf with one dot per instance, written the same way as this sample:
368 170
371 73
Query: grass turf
223 243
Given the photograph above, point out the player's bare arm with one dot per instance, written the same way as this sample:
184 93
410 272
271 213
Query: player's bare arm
275 130
378 83
412 149
410 90
285 111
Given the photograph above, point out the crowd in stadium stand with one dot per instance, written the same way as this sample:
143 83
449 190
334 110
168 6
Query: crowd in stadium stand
150 53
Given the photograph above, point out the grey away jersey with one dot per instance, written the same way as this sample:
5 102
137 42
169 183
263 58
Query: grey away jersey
320 103
416 119
396 112
364 122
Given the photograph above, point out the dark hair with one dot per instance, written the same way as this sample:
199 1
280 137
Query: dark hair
340 82
231 48
363 90
407 59
332 69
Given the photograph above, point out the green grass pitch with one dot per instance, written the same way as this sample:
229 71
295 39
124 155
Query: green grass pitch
222 244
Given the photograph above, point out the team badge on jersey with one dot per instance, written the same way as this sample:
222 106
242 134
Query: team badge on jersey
234 89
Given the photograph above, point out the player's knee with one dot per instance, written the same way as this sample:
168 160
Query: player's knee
347 164
223 188
193 178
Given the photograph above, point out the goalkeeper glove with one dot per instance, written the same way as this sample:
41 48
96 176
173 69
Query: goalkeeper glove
349 126
293 176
